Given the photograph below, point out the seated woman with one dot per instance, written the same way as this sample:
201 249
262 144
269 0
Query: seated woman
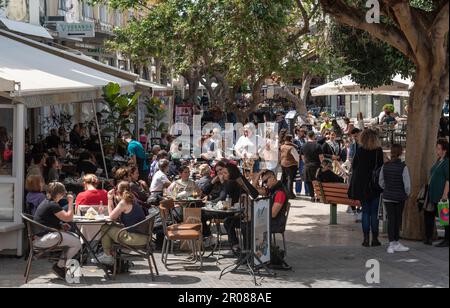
87 163
204 183
34 185
326 175
138 187
184 187
52 171
129 213
50 214
229 187
91 195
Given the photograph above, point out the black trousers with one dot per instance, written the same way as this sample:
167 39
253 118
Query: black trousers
233 223
288 177
394 215
430 225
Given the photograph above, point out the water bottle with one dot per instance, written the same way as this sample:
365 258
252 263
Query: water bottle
228 202
101 209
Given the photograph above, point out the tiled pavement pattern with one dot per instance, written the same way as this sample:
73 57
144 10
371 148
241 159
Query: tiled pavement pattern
321 256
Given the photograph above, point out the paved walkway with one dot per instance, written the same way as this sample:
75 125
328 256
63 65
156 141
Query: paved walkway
321 256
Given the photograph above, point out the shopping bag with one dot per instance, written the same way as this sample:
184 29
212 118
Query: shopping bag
443 213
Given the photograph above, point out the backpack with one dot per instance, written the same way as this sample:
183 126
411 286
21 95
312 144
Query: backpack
277 261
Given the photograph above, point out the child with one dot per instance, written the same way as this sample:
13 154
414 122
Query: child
395 180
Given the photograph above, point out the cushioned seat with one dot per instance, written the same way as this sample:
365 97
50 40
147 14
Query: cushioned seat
183 235
179 227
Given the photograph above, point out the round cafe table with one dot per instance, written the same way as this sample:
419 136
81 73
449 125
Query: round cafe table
216 215
191 203
78 222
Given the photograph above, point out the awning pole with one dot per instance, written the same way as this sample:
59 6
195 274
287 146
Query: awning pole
100 138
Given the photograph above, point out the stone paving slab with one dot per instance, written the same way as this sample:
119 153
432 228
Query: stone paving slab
320 255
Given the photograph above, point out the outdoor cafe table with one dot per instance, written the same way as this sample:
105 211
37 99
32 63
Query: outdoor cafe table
78 222
219 215
191 203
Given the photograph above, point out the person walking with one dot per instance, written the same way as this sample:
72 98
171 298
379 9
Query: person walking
368 158
396 184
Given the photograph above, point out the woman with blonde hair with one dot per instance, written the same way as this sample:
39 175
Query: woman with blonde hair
91 195
363 187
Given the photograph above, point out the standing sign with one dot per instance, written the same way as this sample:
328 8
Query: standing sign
76 30
261 230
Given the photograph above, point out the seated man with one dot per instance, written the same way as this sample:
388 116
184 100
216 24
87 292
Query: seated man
278 203
326 175
184 187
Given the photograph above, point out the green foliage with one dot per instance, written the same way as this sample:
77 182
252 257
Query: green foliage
154 119
120 111
371 62
241 39
389 107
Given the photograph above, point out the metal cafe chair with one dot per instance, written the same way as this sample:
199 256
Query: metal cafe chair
283 230
179 233
124 251
37 252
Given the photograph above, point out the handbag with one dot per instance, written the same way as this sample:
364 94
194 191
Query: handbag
375 180
422 197
443 213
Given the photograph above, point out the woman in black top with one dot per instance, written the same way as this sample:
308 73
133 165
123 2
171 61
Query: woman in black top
50 214
368 157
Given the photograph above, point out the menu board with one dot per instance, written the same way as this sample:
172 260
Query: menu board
261 230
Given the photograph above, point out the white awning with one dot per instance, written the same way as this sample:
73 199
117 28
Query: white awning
345 86
25 28
153 85
43 78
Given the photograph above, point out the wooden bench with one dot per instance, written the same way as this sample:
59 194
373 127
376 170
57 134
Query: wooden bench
334 194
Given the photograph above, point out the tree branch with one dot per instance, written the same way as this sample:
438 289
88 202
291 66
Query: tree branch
408 24
356 18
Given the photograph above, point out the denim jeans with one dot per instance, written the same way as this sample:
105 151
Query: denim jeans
370 221
299 184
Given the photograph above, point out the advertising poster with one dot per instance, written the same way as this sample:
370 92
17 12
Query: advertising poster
183 114
261 230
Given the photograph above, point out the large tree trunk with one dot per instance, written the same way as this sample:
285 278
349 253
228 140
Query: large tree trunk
424 112
193 82
299 102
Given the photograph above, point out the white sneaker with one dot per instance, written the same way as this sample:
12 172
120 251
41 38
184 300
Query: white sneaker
400 248
104 259
391 249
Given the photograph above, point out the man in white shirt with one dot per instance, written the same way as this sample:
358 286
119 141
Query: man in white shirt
245 148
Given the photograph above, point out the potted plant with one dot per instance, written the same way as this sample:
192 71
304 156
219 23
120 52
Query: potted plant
119 112
154 119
